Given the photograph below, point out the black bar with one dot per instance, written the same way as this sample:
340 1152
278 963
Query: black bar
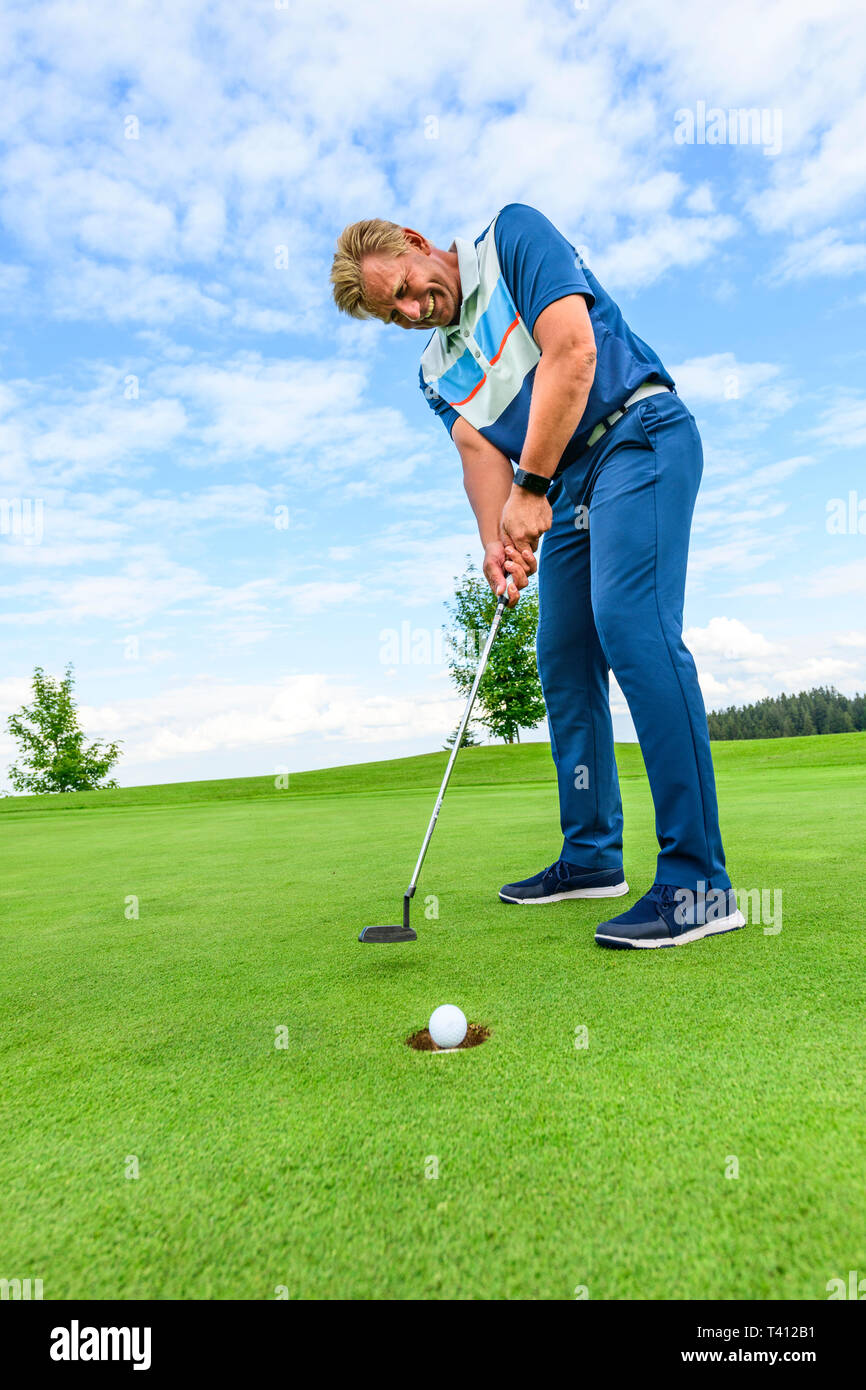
823 1337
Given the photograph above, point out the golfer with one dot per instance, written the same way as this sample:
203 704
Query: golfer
530 363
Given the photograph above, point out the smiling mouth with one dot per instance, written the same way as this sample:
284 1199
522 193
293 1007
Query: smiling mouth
430 310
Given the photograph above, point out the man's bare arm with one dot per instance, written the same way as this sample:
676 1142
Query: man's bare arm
487 478
562 383
511 520
560 389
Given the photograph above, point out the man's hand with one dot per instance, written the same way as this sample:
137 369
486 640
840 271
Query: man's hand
496 575
488 477
525 518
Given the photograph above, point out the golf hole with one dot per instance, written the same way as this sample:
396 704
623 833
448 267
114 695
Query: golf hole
421 1041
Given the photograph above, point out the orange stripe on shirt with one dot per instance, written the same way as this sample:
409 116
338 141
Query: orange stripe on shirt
475 390
508 330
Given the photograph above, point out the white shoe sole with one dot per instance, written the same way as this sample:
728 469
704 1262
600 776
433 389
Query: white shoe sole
615 891
723 924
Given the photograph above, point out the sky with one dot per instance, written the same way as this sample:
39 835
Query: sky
220 500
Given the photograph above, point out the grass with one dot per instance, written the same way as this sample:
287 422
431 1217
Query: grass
152 1039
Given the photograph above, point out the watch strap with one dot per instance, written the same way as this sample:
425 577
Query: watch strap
533 482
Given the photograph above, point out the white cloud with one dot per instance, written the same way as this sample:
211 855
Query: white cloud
823 254
223 172
14 692
833 581
720 379
147 583
666 243
210 716
249 406
747 505
728 638
817 670
843 425
701 199
13 279
86 290
769 588
246 315
737 665
416 563
824 183
314 597
208 413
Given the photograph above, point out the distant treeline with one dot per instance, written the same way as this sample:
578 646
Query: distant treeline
819 711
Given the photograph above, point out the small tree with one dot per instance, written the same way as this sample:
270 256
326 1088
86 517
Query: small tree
53 755
509 696
467 741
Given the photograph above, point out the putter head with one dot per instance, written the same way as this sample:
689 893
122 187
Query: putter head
387 934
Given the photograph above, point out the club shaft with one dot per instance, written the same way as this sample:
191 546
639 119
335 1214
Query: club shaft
482 666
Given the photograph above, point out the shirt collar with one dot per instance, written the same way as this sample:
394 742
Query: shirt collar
470 279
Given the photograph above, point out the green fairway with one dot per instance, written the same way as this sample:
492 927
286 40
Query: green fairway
307 1166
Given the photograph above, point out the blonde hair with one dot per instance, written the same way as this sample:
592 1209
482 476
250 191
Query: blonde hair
374 237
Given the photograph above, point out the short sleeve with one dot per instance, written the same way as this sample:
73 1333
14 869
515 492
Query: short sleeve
447 414
538 263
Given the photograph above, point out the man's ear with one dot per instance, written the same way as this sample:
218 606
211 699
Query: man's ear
415 239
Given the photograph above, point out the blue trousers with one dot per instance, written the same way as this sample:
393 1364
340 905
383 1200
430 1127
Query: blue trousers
612 577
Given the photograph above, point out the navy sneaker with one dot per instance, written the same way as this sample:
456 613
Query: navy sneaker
668 916
564 880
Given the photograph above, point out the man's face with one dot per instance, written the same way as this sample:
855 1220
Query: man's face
419 289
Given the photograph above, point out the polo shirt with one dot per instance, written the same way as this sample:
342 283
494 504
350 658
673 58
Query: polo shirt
482 367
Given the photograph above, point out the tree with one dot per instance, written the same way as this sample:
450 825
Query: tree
509 696
53 756
467 741
822 710
839 721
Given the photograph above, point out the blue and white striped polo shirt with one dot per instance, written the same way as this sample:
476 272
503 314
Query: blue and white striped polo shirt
483 366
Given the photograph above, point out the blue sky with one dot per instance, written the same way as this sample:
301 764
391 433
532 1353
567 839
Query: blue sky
175 382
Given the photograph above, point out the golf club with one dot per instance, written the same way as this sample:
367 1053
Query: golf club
405 932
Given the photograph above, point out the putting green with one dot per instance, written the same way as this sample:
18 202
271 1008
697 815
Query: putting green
148 1044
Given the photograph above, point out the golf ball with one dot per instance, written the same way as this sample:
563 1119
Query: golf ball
447 1025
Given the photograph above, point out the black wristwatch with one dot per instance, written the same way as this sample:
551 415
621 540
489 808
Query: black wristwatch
533 482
